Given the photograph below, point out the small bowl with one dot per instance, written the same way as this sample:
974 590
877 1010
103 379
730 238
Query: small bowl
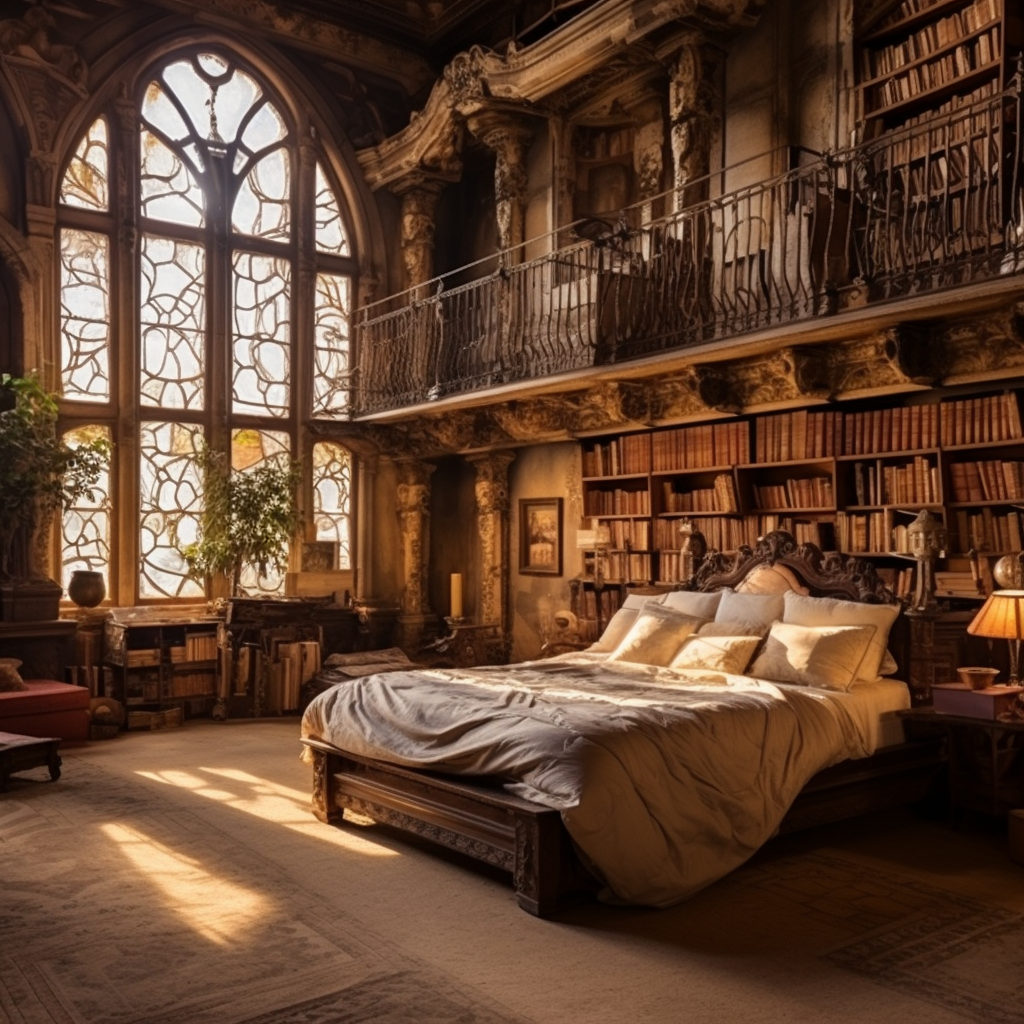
977 678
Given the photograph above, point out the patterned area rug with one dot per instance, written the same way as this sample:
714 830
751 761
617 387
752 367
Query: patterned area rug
120 907
939 946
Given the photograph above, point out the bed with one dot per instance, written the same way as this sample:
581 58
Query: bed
703 722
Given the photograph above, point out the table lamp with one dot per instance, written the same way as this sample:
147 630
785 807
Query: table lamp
1002 616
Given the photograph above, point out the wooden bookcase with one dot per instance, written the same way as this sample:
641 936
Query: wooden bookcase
159 662
848 480
922 57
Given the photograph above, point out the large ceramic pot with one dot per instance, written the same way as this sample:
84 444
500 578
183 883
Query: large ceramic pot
86 588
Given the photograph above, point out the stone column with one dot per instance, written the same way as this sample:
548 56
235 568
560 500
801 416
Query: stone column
694 112
419 203
492 521
414 521
507 137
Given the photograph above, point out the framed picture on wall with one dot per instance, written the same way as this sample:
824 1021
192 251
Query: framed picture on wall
540 536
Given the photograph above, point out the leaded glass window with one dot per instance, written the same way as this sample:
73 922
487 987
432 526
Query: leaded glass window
223 221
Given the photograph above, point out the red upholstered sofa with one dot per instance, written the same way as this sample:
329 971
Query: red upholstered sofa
46 708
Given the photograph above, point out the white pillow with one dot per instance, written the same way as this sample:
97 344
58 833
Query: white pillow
825 656
655 636
716 653
829 611
762 608
693 602
617 628
770 579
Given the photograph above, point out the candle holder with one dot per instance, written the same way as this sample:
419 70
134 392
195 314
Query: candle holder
454 621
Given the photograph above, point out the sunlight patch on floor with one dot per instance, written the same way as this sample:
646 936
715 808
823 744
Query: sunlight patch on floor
220 910
269 801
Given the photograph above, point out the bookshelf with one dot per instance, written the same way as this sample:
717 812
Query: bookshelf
157 662
850 480
920 57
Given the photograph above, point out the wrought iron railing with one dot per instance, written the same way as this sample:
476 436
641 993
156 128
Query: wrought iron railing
920 210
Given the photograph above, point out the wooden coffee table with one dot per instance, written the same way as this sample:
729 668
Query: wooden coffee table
18 753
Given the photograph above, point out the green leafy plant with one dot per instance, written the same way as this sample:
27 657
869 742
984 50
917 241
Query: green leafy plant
39 472
249 519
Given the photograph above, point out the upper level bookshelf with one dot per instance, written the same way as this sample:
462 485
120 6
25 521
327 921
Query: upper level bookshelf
919 57
849 480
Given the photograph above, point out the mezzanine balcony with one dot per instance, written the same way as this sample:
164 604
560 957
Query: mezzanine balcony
928 208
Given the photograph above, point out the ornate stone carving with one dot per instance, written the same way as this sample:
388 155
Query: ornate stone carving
893 357
507 136
419 201
465 75
414 520
694 108
34 37
492 505
991 343
678 395
530 420
786 375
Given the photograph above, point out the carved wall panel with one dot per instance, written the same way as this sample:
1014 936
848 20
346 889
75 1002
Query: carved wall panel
492 512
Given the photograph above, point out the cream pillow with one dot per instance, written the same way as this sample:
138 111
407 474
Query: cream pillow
830 611
770 579
825 656
693 602
716 653
617 628
655 636
638 601
761 608
738 628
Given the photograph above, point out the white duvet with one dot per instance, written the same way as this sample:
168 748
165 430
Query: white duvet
665 780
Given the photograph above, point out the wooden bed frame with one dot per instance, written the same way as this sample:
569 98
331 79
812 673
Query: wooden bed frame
479 819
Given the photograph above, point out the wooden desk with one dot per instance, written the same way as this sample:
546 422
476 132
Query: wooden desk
19 753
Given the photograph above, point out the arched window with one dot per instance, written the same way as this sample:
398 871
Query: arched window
206 303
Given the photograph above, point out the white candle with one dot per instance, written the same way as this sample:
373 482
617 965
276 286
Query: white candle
456 601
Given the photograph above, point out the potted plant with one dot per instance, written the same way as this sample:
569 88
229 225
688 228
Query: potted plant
248 521
39 474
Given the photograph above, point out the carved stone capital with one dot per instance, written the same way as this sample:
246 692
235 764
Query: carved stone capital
492 481
896 357
787 375
992 343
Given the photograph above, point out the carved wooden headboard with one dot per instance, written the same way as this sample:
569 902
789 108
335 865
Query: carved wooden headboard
805 565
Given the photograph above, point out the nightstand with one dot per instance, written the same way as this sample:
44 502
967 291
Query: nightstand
985 759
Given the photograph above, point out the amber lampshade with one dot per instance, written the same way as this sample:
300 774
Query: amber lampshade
1002 617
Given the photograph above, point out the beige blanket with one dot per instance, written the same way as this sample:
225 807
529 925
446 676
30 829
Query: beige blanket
665 780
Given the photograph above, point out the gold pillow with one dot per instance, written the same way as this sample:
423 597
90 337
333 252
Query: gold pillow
655 636
10 678
717 653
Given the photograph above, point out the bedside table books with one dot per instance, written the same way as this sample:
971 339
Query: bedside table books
959 699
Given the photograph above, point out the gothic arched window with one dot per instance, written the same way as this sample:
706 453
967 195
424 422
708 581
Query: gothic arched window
204 302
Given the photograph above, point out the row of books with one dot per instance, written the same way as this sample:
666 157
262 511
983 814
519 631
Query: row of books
291 664
870 532
912 483
928 39
197 647
623 566
988 531
700 447
986 10
729 533
629 533
97 679
192 684
809 492
630 453
987 480
617 502
961 60
721 497
801 434
956 583
806 434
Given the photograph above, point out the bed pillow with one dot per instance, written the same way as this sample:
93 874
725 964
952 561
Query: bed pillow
738 628
655 636
830 611
692 602
638 601
617 628
770 579
761 608
716 653
825 656
10 677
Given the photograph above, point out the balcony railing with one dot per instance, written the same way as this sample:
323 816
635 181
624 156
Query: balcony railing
920 210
